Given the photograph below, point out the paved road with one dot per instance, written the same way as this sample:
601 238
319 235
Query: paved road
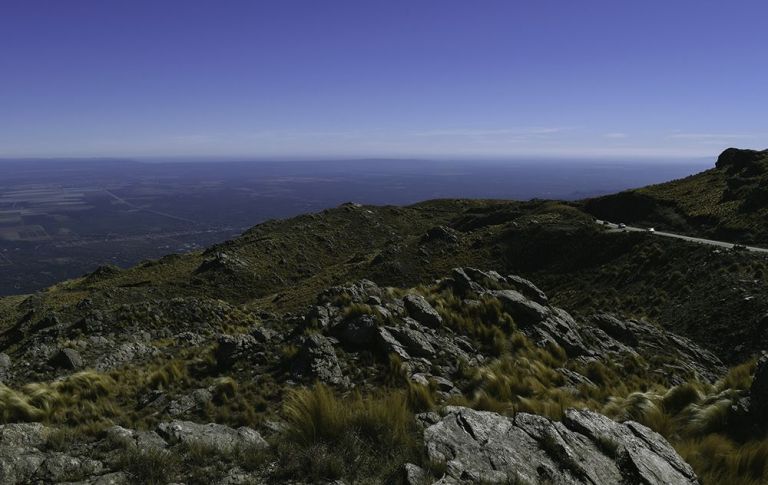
615 227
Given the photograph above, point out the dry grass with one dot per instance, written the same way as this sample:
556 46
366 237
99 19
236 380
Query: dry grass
81 397
354 437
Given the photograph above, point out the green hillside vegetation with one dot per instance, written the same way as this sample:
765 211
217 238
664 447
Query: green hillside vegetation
728 202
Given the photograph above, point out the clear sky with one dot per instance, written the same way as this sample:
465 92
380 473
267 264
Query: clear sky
426 78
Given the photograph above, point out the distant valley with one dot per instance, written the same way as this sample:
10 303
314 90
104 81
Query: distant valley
62 218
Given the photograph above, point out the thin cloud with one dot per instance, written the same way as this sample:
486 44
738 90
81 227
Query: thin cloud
710 136
615 136
514 132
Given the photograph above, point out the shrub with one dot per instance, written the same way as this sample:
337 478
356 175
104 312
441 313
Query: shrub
171 373
717 459
152 466
420 398
356 436
680 397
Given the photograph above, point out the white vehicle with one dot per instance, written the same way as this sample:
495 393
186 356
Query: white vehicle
650 229
622 226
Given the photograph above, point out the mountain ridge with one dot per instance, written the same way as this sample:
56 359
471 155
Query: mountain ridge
348 344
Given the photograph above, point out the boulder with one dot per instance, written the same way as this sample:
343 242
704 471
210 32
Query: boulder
212 436
358 292
621 330
196 399
414 475
461 284
608 333
234 347
124 353
388 344
528 289
317 359
524 311
69 359
143 440
421 311
356 333
440 233
219 261
319 317
414 341
23 458
587 447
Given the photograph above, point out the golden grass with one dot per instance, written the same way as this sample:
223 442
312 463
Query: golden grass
353 436
81 397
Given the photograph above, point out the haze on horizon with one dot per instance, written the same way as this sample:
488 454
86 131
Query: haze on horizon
87 78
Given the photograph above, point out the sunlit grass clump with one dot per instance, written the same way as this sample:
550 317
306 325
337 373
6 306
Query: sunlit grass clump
353 436
78 398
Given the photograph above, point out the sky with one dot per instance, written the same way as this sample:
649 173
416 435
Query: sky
395 78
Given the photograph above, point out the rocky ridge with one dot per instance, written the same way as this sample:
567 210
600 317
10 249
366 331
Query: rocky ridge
362 337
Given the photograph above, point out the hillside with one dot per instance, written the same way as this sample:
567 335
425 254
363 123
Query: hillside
360 343
728 202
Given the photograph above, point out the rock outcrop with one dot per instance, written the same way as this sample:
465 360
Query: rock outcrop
211 436
586 447
26 455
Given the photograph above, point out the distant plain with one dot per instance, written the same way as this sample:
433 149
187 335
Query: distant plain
62 218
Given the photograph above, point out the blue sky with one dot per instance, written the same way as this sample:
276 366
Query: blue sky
424 78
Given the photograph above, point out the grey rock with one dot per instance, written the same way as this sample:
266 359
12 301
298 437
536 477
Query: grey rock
358 292
358 332
414 474
213 436
542 323
317 359
623 331
758 391
461 284
58 467
114 478
124 354
232 348
421 311
143 440
605 333
524 311
573 378
388 344
189 338
414 341
67 359
527 288
440 233
320 316
190 402
587 447
23 458
263 335
642 453
223 262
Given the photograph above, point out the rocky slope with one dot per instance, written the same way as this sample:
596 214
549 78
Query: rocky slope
473 339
